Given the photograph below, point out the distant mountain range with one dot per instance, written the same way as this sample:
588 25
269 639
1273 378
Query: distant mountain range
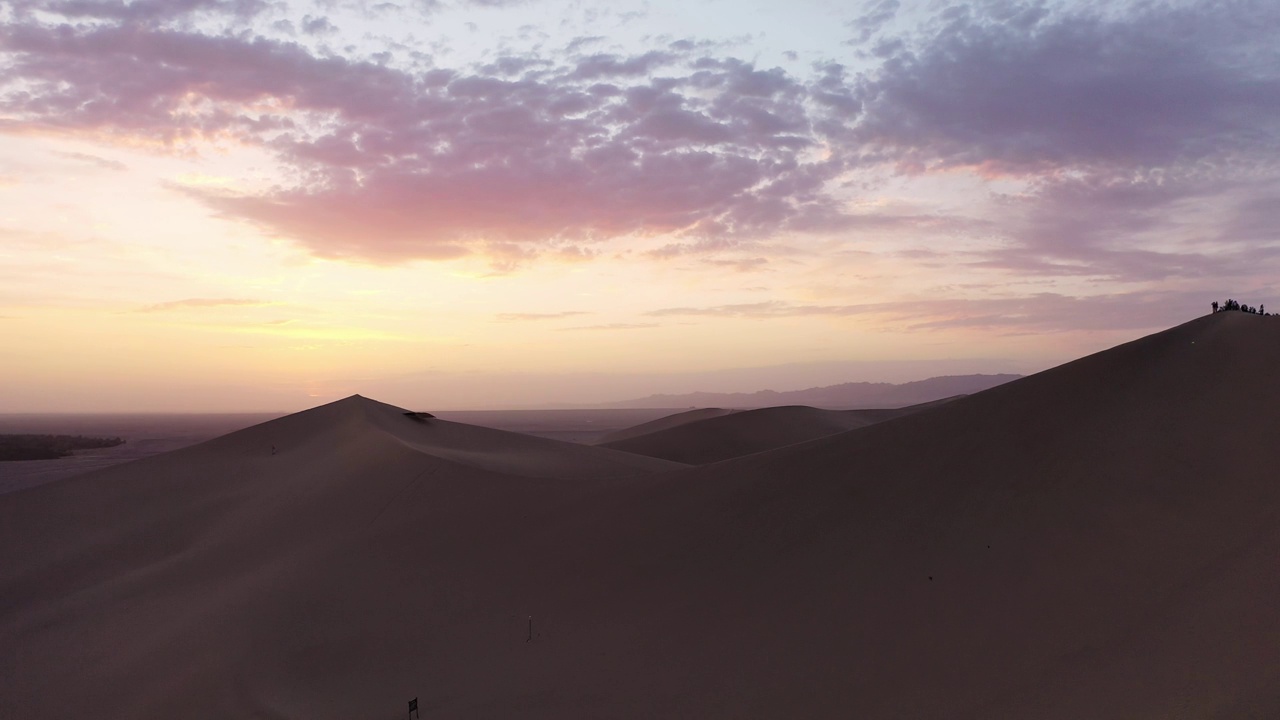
846 395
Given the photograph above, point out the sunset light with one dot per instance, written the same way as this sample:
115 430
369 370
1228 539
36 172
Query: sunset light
201 200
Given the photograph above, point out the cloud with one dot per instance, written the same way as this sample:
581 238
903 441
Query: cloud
519 317
1116 127
742 265
870 22
312 25
1136 229
762 310
396 165
101 162
607 65
1145 138
1256 215
1054 312
1016 86
1039 313
142 11
584 41
497 3
614 326
202 303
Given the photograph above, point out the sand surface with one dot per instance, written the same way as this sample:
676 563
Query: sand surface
665 422
583 425
1095 541
698 437
152 434
144 435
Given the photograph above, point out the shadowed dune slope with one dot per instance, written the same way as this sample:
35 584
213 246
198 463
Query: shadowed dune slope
727 434
1098 540
512 453
663 423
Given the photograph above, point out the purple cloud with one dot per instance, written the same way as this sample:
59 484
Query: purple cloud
313 25
1124 127
142 11
1140 228
399 165
1115 124
1017 87
866 25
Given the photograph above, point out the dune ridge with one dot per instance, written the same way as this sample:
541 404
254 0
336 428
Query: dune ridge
699 437
1097 540
663 423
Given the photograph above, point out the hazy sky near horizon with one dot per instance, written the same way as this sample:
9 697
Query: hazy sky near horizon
261 205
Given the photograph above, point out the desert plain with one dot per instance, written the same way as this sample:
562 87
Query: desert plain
1099 540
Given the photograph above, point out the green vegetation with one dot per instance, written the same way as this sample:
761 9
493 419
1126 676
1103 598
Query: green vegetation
49 447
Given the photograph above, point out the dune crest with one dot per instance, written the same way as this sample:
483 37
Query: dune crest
697 439
469 445
664 423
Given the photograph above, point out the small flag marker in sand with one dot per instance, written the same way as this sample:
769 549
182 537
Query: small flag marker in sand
413 708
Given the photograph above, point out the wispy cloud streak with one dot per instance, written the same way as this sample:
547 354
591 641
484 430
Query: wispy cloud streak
203 303
524 317
1040 313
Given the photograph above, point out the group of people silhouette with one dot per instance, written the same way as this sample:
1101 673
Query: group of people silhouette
1234 305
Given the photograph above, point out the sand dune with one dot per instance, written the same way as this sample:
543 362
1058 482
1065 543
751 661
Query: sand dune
511 453
663 423
1097 541
706 436
173 576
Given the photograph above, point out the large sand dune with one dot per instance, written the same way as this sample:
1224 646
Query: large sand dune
1096 541
698 437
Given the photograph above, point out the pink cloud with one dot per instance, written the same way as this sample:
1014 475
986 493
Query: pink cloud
1111 119
401 166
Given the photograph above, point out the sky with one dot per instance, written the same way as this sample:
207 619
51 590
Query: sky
258 205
